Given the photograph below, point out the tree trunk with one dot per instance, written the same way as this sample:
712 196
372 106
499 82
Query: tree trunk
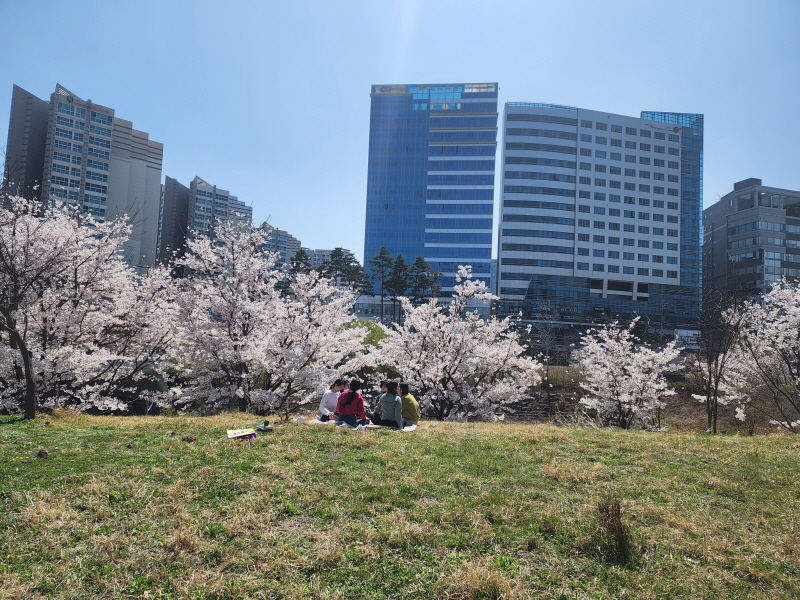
29 405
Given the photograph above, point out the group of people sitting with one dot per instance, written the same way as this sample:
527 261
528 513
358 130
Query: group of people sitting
396 407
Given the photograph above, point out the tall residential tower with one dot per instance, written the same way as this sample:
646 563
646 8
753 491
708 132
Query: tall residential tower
601 215
430 183
80 153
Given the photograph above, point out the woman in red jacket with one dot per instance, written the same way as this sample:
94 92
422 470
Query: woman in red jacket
351 406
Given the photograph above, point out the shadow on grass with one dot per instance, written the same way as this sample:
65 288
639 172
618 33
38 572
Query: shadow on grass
10 419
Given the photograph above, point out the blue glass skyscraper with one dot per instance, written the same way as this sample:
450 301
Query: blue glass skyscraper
430 185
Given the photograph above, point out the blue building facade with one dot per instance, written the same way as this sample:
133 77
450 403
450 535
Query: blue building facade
430 183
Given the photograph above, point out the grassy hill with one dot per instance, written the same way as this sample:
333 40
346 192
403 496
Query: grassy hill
166 507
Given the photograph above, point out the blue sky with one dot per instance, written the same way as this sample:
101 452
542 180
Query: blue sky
270 100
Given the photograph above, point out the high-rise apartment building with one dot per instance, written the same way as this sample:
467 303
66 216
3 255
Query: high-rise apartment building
320 257
751 238
174 219
82 154
209 205
430 183
281 242
600 215
195 210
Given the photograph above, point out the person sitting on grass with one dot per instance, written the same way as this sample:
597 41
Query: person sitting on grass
410 407
350 406
330 399
390 408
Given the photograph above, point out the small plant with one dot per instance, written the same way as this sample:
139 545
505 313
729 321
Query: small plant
614 540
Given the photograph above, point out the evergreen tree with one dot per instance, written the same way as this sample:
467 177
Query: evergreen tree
300 263
423 281
398 282
381 265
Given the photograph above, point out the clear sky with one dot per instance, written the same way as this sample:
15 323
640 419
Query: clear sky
270 100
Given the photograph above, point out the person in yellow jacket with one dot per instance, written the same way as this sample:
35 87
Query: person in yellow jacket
410 407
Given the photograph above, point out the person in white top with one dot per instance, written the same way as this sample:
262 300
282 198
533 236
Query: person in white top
327 406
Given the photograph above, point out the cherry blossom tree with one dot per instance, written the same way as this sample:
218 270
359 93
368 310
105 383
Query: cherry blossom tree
624 378
771 357
460 364
246 340
80 328
711 366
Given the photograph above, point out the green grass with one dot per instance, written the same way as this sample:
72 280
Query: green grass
125 508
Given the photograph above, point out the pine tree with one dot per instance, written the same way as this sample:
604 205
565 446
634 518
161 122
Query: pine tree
381 265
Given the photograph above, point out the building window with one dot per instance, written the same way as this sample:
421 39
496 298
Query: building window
672 218
644 160
659 135
584 208
658 162
643 271
627 256
659 149
672 205
658 203
627 270
644 216
584 194
600 182
583 237
585 137
585 166
617 143
658 217
658 176
598 253
583 252
614 241
672 274
601 126
586 151
613 226
630 145
599 153
600 140
630 186
658 273
615 156
673 178
644 174
596 267
644 229
629 214
585 180
644 188
672 233
673 165
658 259
601 197
630 172
599 239
630 130
644 147
628 242
643 243
613 268
672 260
584 223
674 152
630 158
672 247
583 266
628 228
644 202
644 258
644 132
613 198
600 168
630 200
587 124
615 184
614 170
613 212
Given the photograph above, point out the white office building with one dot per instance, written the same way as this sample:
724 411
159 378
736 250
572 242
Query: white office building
600 214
